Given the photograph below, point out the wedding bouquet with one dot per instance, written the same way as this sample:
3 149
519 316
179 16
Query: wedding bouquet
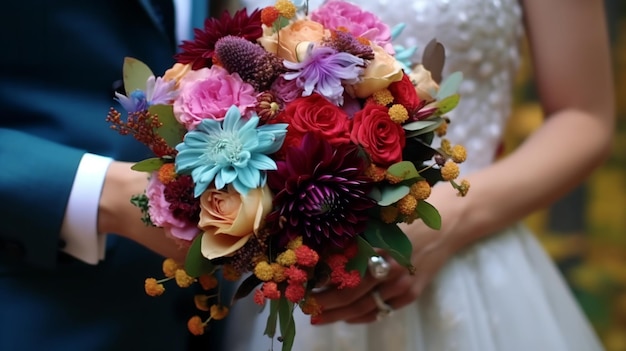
287 147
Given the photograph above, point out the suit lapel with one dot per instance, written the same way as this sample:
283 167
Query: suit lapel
151 12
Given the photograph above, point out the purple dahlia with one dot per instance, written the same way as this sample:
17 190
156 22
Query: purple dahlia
321 194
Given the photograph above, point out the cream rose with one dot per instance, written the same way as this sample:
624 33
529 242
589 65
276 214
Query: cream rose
424 84
229 218
285 43
383 70
176 72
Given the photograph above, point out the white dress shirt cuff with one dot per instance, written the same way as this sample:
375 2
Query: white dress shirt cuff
79 229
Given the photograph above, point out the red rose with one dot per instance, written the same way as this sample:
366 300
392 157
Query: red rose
315 114
382 139
404 93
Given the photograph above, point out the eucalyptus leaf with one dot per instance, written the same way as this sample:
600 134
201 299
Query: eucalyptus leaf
364 252
272 319
247 285
135 74
171 130
403 170
392 193
448 104
434 58
392 239
417 125
429 214
437 121
287 323
196 264
450 85
148 165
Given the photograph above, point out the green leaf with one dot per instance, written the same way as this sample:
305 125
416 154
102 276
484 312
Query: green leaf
448 104
364 252
272 318
417 125
196 264
171 130
450 85
392 193
392 239
148 165
247 285
287 324
437 122
429 215
403 170
135 74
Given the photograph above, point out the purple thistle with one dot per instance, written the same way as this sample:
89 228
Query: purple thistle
324 70
254 65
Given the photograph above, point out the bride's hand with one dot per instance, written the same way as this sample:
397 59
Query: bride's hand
431 250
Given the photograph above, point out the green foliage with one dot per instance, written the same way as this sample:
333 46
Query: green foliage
392 239
287 323
448 104
359 262
196 264
135 74
449 86
171 130
429 215
141 202
148 165
390 194
272 318
403 170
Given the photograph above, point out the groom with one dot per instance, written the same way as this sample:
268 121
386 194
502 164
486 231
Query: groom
61 62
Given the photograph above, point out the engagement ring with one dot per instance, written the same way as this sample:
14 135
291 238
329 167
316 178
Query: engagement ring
384 310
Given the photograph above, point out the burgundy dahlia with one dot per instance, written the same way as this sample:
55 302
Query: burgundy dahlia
199 51
183 204
321 194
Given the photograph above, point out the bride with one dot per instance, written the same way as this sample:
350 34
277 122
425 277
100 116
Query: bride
482 283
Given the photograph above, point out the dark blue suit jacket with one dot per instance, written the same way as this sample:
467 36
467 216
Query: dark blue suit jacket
59 61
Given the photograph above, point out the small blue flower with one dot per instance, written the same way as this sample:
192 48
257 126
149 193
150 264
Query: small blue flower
158 92
323 71
234 151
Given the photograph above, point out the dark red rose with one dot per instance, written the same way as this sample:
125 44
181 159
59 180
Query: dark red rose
382 139
404 93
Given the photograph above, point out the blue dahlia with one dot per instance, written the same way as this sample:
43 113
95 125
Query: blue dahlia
234 151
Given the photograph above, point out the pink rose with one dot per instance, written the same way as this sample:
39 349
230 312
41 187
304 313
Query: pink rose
336 14
209 93
229 218
161 215
380 137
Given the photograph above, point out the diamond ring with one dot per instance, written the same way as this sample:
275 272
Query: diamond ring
379 268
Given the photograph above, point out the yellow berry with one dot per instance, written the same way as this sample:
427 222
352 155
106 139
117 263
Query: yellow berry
286 8
279 273
446 147
393 179
375 173
287 258
383 97
450 171
207 281
264 271
458 154
169 267
463 187
153 288
201 302
182 279
196 325
442 129
389 214
219 312
421 190
295 243
407 204
398 113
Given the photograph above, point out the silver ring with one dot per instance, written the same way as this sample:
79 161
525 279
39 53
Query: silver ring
379 268
384 310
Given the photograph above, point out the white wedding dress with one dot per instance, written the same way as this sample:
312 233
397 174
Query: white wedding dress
502 294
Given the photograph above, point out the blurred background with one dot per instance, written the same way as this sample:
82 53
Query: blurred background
585 232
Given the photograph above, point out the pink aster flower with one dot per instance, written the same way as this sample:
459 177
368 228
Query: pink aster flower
162 215
208 93
336 14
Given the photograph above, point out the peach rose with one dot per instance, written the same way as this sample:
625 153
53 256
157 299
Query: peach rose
424 84
285 43
229 218
383 70
176 72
